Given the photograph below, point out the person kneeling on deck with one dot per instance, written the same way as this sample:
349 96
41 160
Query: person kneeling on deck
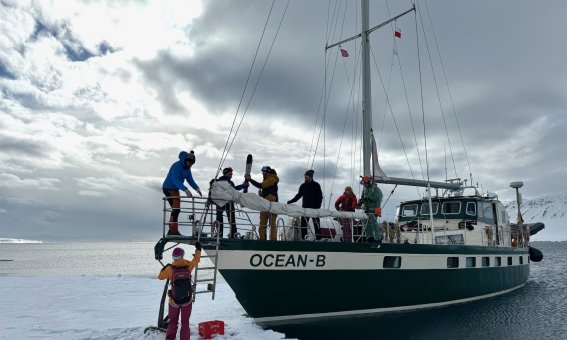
312 198
178 173
181 294
229 206
371 199
268 190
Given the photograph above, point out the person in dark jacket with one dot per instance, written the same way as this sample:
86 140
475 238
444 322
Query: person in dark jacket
268 190
178 173
312 198
229 206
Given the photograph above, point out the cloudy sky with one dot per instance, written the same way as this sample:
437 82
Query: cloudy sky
97 99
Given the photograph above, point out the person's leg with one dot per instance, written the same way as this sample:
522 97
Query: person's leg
232 219
317 226
273 227
185 333
263 225
173 314
347 230
219 216
303 227
175 203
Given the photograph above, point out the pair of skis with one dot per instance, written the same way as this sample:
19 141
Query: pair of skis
248 169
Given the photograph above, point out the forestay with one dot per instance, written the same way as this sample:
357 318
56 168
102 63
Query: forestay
222 192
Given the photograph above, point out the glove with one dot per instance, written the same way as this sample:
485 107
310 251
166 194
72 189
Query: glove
188 193
198 246
199 191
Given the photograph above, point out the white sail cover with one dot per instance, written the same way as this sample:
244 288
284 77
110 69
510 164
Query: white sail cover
222 192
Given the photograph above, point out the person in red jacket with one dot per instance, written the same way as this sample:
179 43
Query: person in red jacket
175 309
346 202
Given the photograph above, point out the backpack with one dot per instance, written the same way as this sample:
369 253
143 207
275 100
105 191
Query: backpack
181 286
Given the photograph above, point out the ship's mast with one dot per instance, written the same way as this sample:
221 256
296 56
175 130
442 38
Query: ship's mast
366 90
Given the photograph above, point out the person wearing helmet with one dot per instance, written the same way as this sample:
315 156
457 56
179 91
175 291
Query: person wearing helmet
312 198
229 206
178 173
268 190
370 199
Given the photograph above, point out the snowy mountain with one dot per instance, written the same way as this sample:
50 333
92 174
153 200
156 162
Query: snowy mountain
550 210
17 240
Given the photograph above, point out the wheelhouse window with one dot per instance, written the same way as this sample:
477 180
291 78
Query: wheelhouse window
425 208
451 208
452 262
392 261
450 239
521 260
487 210
486 261
409 210
498 261
471 208
471 262
509 260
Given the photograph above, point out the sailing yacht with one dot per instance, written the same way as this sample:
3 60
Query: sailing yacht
451 246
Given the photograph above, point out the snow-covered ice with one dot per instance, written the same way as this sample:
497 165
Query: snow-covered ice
102 307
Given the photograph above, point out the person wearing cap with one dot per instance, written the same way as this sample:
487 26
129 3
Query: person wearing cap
346 202
178 173
229 206
312 198
174 309
371 199
268 190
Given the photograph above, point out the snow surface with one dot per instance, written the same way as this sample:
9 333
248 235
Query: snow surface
102 307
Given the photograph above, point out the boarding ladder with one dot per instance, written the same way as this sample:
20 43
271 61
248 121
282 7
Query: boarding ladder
212 255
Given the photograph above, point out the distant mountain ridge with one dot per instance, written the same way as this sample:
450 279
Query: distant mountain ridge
549 209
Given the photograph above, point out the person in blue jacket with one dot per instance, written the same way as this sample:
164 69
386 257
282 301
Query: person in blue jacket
178 173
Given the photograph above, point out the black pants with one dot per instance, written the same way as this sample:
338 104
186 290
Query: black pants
316 224
229 209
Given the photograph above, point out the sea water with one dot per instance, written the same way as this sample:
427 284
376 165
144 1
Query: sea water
536 311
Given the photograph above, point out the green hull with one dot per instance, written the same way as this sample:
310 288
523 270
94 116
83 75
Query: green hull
280 282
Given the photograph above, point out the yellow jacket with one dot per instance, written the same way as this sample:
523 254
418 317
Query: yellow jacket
167 272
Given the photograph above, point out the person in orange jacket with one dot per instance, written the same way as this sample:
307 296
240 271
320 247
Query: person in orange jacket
167 272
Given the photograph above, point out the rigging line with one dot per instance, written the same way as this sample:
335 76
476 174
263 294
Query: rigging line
223 156
327 95
392 112
449 90
323 89
259 76
351 99
438 94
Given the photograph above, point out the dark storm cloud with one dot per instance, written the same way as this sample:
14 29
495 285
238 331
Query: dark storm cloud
19 146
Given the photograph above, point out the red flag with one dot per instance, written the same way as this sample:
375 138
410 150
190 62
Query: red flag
398 33
344 53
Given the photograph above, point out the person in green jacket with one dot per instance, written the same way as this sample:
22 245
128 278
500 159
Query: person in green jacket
370 199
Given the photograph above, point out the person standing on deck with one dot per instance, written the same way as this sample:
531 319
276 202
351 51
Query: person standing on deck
174 310
346 202
178 173
312 198
371 199
229 206
268 190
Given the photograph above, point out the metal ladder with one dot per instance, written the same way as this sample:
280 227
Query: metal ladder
211 283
